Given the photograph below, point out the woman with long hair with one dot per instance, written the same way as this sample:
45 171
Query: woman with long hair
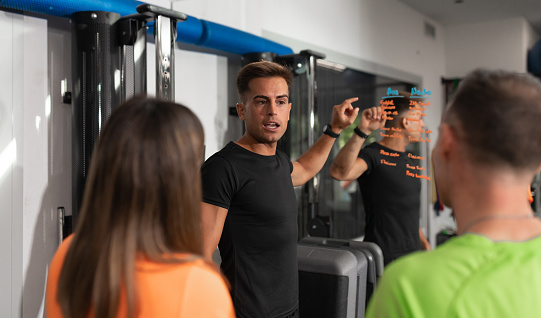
136 248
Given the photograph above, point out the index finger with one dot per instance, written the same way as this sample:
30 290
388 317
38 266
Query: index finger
350 100
346 104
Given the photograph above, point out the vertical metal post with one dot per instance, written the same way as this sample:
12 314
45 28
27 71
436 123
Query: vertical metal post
311 105
140 62
165 35
123 80
315 225
311 111
61 220
132 39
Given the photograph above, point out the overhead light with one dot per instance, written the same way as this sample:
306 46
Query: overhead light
331 65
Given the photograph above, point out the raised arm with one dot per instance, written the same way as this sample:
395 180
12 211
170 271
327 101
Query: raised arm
347 165
306 167
212 224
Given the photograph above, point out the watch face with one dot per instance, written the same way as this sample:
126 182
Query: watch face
328 131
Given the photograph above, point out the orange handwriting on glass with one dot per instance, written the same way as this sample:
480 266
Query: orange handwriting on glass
385 162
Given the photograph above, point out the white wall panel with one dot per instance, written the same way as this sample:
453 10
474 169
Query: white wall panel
28 230
7 157
211 106
38 222
18 135
494 45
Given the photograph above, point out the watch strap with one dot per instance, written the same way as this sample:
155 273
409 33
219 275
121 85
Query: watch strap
360 133
327 130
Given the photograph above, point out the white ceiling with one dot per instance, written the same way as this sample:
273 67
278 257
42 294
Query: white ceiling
449 12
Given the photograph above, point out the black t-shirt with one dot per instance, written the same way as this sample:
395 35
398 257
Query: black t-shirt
391 200
259 240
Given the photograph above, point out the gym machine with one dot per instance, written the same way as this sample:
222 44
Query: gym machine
108 67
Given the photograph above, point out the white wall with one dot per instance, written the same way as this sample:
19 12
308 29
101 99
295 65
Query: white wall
203 80
24 104
35 147
211 103
501 44
10 178
201 84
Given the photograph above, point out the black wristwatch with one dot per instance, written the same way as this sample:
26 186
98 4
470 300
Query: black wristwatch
360 133
327 130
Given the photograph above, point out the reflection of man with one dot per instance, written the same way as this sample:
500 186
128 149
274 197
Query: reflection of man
387 176
488 150
249 202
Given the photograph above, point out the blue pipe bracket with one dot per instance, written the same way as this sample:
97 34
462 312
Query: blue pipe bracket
192 31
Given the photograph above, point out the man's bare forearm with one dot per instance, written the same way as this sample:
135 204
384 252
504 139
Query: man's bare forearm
313 159
346 157
309 164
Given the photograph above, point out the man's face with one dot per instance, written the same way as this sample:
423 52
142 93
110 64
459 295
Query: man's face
266 109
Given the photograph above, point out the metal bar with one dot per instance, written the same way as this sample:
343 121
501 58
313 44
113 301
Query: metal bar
140 62
123 79
311 110
165 34
61 214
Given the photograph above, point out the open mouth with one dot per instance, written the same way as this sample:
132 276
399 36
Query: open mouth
271 125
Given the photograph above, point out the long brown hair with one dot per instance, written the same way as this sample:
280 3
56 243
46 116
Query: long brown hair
142 197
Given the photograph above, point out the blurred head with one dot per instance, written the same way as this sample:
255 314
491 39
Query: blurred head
495 121
408 116
142 198
144 177
264 107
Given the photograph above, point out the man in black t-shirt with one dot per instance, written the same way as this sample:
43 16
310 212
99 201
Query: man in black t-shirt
388 176
249 207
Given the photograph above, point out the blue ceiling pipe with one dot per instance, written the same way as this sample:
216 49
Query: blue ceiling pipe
192 31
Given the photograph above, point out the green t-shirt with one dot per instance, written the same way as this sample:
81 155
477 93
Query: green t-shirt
468 276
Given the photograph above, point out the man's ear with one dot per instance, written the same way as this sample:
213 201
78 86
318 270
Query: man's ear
405 123
448 141
240 110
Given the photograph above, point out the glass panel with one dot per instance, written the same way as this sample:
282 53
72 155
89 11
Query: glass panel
342 201
338 205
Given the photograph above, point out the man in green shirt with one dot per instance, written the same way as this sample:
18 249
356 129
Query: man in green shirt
487 153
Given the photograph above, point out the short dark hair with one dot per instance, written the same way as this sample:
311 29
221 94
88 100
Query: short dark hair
401 106
498 116
261 69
